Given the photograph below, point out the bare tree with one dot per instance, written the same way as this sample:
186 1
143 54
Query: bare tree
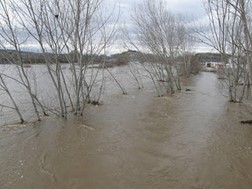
5 89
74 28
229 34
10 33
164 35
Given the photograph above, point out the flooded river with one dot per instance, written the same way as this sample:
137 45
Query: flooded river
192 140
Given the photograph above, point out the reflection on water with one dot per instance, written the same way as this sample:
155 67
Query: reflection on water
190 140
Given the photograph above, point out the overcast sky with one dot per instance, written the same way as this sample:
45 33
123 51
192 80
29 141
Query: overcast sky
190 8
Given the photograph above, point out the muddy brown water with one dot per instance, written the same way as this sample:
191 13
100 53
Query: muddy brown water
193 139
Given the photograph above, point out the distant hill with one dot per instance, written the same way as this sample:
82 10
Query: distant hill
12 56
209 57
9 56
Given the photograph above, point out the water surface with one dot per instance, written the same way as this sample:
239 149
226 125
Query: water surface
192 139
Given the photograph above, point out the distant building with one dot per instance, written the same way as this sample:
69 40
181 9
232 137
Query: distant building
211 61
213 66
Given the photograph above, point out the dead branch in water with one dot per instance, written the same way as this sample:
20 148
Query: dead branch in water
246 122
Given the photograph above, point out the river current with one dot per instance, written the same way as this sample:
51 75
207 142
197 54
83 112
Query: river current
191 140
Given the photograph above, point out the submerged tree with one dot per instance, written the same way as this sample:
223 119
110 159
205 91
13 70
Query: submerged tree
14 37
56 27
229 33
164 35
4 88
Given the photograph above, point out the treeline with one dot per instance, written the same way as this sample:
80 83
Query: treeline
12 56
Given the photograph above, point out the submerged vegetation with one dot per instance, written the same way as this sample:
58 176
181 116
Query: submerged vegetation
80 34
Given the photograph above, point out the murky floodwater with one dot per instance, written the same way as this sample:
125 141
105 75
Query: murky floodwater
193 139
